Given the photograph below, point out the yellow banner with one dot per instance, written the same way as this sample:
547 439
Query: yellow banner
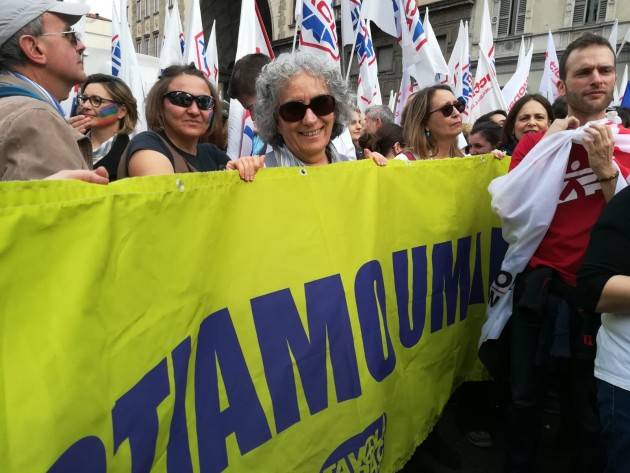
314 320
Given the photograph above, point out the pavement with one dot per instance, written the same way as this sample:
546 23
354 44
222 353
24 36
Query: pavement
553 458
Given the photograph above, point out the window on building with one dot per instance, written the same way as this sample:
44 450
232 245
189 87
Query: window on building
145 45
156 6
138 10
138 44
511 17
589 11
157 40
385 58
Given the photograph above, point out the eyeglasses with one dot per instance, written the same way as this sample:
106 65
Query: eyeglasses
185 100
95 100
295 111
447 110
73 36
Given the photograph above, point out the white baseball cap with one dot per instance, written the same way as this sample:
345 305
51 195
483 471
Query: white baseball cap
15 14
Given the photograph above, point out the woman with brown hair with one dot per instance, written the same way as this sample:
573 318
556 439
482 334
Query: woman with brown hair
432 122
531 113
182 110
107 114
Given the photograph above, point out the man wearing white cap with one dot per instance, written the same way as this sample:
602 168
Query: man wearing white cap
40 61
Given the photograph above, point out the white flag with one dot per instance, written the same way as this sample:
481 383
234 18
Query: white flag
486 42
516 87
455 62
195 40
124 61
434 51
626 39
407 87
614 32
620 89
551 73
487 94
212 57
318 31
381 12
172 51
252 38
349 9
392 100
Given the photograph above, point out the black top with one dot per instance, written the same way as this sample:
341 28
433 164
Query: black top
208 158
111 160
608 252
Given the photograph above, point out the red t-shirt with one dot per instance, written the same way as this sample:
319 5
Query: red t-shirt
580 204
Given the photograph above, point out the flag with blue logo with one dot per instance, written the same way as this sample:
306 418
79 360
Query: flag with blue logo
318 32
172 51
195 47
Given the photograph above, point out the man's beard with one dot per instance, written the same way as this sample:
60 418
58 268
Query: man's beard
579 104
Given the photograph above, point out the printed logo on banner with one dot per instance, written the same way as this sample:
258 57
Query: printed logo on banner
414 25
318 27
200 47
116 55
361 453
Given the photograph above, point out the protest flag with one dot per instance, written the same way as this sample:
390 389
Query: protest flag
382 13
212 57
614 32
455 62
195 39
516 87
252 38
620 91
487 94
407 87
173 44
435 53
486 42
125 62
551 73
318 33
625 102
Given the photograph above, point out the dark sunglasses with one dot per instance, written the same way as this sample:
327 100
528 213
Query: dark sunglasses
184 99
95 100
447 110
72 36
295 111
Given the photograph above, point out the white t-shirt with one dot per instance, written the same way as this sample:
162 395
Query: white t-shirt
612 363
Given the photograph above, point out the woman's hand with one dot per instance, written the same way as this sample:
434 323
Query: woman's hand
378 158
247 166
98 176
80 123
498 154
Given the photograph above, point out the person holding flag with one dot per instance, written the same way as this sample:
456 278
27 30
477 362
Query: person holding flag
571 196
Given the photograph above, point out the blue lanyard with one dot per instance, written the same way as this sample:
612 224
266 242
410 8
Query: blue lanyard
53 101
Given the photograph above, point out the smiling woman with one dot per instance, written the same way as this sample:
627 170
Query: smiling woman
302 104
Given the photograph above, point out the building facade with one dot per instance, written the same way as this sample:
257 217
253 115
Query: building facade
511 20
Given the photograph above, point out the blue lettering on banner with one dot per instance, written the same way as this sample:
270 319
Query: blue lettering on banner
447 280
218 344
362 453
372 313
281 334
87 454
410 330
178 452
134 417
285 341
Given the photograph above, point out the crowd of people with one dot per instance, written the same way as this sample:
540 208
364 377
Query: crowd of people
300 106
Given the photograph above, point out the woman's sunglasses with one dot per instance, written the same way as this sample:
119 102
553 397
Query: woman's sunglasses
95 100
184 99
447 110
295 111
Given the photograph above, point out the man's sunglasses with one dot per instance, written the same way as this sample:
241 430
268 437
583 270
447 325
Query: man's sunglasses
184 99
95 100
295 111
73 36
447 110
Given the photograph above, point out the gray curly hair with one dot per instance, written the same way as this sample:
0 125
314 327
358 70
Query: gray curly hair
275 76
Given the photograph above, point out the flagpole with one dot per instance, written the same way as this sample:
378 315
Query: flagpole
294 38
354 44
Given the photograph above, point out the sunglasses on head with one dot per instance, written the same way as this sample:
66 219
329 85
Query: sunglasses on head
295 111
447 110
95 100
184 99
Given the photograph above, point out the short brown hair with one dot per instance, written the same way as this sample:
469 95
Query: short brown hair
508 137
584 41
121 94
155 102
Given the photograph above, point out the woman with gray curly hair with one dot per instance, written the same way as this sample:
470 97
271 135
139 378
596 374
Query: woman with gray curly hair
302 104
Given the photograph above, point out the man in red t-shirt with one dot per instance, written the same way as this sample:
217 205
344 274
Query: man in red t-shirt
544 294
